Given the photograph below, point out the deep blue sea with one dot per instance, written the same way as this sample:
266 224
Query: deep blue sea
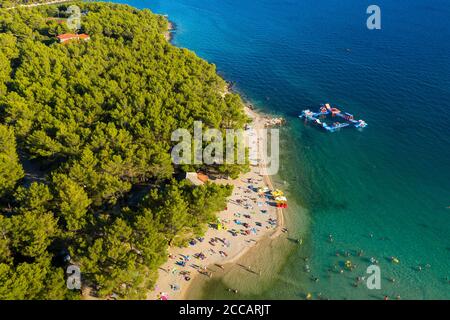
384 190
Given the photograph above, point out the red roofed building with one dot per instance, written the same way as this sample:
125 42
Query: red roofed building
70 36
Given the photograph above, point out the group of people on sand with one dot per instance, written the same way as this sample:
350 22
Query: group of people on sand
247 221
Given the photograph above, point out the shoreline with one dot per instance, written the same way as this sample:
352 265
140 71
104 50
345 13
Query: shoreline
168 273
237 246
171 28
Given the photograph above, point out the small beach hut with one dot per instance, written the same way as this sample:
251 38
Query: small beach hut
196 178
202 177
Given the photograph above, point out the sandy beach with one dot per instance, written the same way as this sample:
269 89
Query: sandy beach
248 219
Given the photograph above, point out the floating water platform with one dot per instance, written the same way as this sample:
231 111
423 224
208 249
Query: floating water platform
325 111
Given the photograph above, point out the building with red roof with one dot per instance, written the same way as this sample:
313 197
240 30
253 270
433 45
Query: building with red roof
70 36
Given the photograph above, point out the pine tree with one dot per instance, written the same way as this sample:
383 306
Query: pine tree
10 169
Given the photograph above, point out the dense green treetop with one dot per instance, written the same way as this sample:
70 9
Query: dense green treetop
10 168
92 122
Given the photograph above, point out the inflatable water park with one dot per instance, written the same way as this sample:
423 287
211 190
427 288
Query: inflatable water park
345 119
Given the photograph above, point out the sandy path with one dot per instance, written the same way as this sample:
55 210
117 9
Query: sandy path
246 206
39 4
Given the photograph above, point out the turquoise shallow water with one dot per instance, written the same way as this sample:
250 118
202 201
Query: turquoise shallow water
392 179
